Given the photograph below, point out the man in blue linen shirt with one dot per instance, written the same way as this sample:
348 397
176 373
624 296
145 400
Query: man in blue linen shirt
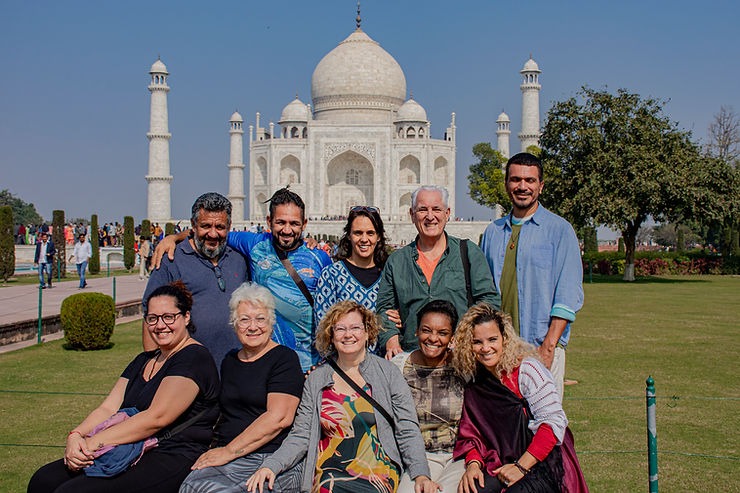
535 260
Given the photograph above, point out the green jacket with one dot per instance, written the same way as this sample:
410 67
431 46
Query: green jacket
404 287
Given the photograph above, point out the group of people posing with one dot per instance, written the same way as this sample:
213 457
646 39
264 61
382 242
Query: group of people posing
426 370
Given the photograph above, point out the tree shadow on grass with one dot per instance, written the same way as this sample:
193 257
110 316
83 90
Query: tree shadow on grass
617 279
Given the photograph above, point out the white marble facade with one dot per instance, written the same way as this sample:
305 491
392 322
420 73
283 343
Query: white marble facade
361 142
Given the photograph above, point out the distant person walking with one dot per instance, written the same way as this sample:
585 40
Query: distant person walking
82 253
43 258
145 255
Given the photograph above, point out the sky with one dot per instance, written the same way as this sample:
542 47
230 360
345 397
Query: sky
74 104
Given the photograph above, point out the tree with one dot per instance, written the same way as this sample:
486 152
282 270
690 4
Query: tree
486 177
129 256
7 243
23 213
59 267
616 159
724 135
94 264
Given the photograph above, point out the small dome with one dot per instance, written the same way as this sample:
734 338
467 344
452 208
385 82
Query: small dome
295 111
158 68
411 111
236 117
531 66
503 117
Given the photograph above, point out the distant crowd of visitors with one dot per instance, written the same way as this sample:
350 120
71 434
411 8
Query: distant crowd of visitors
266 366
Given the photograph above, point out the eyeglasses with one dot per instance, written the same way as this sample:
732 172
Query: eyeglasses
365 208
355 329
167 318
220 278
245 322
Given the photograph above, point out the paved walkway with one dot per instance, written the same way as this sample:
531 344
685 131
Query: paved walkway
21 303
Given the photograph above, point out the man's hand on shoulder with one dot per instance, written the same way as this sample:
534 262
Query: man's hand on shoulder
167 245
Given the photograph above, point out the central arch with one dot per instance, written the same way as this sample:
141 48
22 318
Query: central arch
350 178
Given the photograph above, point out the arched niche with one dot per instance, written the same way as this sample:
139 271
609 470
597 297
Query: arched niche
409 171
440 171
350 178
290 170
260 172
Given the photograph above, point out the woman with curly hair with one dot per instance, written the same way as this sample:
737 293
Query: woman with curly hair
513 432
356 424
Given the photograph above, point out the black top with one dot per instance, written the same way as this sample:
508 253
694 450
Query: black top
193 362
366 276
244 390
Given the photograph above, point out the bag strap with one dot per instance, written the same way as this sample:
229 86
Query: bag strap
283 256
177 429
466 270
362 393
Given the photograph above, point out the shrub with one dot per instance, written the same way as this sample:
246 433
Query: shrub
129 256
59 267
88 320
7 243
146 229
169 229
94 264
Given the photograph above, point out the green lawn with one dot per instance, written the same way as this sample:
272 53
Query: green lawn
681 330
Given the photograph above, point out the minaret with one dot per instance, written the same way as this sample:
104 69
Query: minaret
530 134
503 131
158 179
236 168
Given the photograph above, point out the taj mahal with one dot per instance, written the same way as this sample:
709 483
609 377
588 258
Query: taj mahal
360 141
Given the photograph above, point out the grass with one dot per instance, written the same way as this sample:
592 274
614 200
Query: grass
681 330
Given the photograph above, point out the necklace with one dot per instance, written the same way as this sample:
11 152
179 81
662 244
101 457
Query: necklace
154 360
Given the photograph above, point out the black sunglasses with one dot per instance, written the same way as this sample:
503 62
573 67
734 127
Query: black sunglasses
365 208
220 278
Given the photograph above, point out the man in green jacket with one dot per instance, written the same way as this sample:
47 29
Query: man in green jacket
429 268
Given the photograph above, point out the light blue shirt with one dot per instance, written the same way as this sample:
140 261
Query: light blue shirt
548 269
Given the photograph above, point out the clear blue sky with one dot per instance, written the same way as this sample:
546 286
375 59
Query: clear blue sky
74 105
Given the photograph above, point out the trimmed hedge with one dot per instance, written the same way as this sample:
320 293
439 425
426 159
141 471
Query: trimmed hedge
662 263
88 320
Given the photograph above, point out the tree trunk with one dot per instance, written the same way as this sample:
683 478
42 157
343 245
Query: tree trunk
630 236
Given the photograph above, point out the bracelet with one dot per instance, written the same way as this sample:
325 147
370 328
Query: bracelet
521 468
73 432
480 464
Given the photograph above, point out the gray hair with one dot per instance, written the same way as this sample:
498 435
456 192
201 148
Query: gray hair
431 188
210 202
255 294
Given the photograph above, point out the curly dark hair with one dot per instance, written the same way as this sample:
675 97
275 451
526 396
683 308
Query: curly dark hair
344 250
285 196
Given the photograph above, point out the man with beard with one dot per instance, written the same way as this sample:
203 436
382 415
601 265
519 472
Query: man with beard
535 260
270 255
211 271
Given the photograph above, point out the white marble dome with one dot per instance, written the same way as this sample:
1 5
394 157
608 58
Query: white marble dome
357 80
158 68
503 117
236 117
411 111
531 66
295 111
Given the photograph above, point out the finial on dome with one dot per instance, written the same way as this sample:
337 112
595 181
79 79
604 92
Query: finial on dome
411 94
296 94
358 20
530 56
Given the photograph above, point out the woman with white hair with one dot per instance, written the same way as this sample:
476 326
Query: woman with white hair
261 386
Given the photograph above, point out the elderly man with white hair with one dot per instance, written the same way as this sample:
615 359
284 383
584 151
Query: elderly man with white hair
434 266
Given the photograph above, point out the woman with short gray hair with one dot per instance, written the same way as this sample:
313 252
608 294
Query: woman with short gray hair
261 386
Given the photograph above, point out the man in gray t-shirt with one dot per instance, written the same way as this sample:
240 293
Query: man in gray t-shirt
210 270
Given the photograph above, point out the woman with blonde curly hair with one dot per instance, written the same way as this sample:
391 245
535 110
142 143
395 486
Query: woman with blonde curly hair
513 432
356 424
